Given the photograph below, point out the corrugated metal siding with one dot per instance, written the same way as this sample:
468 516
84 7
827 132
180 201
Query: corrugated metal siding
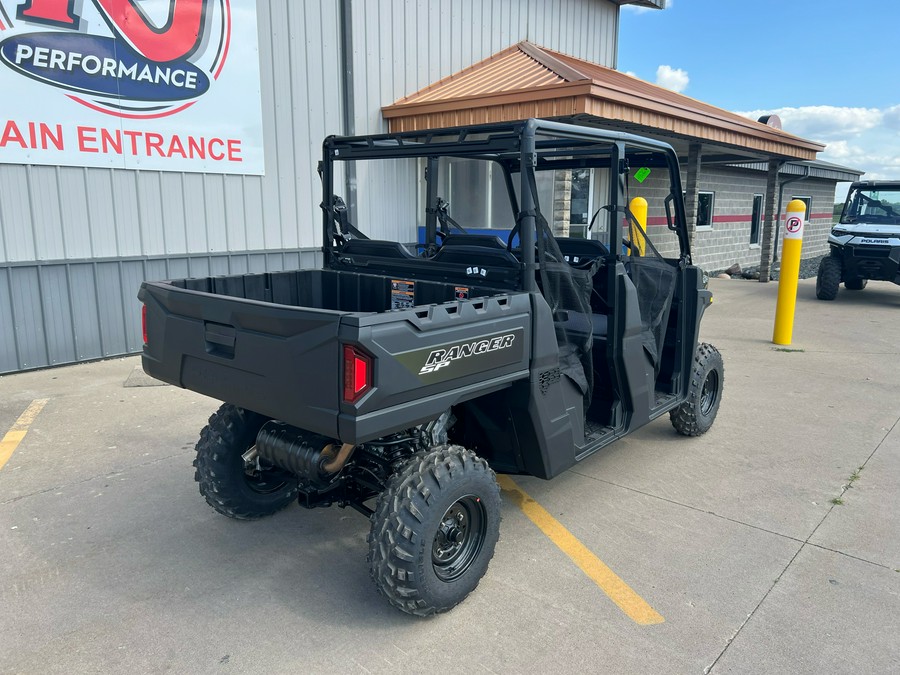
63 213
401 46
75 243
62 312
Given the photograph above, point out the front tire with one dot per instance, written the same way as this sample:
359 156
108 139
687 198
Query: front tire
855 284
434 530
229 485
829 278
696 415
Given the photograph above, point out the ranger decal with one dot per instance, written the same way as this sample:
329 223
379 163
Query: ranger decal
440 358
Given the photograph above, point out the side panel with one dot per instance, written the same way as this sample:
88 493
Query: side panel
435 357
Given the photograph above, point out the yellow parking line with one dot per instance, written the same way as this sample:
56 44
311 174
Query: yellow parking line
15 435
609 582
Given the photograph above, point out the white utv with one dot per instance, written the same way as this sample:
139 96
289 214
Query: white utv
865 244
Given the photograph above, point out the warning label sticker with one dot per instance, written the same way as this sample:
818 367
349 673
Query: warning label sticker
461 292
403 294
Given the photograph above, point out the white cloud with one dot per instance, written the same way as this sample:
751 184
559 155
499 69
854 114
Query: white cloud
892 117
861 138
675 79
825 122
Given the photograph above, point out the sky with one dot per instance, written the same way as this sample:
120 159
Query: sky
827 68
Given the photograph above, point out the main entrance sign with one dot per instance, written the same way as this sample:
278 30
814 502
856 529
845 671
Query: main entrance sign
148 84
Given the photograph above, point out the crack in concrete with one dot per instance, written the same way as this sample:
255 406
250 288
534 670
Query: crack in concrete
803 542
732 520
688 506
806 543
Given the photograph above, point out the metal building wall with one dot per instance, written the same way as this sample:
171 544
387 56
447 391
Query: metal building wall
401 46
75 243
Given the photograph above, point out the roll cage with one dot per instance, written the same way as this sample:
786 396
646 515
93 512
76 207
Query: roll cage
520 149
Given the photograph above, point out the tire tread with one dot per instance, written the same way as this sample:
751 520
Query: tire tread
686 418
215 467
399 518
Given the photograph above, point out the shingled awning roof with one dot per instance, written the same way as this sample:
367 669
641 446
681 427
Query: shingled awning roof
529 81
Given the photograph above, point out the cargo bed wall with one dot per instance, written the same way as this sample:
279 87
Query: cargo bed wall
335 290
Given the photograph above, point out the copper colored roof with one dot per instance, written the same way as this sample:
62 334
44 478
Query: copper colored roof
525 81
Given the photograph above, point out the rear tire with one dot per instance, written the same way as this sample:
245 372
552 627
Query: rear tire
696 415
855 284
829 278
229 486
434 530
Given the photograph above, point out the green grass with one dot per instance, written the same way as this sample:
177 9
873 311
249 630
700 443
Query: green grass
789 350
837 501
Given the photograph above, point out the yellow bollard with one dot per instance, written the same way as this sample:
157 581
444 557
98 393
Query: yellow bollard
638 207
790 273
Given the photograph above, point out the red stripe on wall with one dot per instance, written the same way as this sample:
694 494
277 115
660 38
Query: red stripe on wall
661 220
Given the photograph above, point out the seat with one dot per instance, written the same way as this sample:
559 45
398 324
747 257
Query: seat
476 256
579 251
376 248
576 322
485 240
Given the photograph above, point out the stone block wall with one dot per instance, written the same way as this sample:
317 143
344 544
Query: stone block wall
728 240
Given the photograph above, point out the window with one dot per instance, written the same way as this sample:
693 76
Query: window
580 210
756 219
476 192
808 202
705 205
478 197
879 205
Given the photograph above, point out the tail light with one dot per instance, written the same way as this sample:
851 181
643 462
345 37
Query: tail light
357 373
144 322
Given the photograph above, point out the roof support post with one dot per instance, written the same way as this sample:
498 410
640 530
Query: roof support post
768 233
527 223
692 189
431 182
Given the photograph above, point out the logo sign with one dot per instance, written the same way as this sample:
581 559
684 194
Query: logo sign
140 84
462 358
793 228
440 358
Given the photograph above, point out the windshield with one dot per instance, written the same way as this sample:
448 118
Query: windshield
873 205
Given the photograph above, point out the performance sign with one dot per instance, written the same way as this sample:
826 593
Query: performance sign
162 85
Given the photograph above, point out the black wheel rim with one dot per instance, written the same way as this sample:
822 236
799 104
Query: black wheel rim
710 392
459 538
262 479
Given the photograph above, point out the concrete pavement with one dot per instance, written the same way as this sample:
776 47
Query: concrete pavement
111 561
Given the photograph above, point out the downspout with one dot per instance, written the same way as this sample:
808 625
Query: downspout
348 109
784 184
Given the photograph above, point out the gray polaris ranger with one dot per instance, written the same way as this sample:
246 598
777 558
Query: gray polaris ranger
865 244
397 379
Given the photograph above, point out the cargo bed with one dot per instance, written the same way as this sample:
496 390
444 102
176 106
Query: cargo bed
274 343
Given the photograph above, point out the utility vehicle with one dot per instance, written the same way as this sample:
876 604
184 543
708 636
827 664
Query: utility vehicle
397 379
865 244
